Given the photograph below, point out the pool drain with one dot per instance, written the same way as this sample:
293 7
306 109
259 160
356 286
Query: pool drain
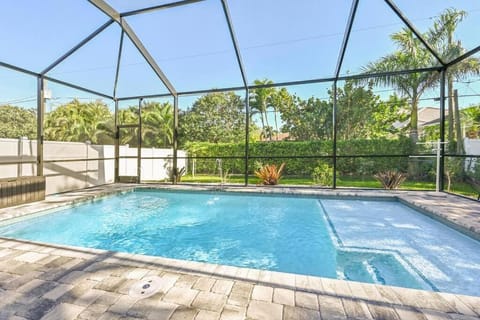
145 288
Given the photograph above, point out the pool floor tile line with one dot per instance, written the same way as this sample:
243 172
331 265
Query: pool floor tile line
43 281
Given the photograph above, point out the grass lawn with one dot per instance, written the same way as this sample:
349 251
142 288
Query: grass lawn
355 182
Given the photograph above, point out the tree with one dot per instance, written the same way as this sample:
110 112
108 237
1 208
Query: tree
355 105
157 124
444 29
444 33
260 101
410 55
385 115
76 121
309 119
214 117
16 122
362 114
471 119
106 129
282 101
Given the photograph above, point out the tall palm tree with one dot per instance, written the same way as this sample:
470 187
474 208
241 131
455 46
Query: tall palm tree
444 29
443 32
281 100
260 102
410 55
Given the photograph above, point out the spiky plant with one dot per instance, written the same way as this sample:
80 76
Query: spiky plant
390 179
270 174
175 175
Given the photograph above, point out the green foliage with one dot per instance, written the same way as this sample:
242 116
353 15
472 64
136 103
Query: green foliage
471 120
364 115
323 174
474 170
257 165
308 119
448 47
390 179
127 135
385 114
261 100
355 104
305 166
431 133
215 117
157 124
361 112
453 170
16 122
174 174
79 122
365 166
410 54
269 174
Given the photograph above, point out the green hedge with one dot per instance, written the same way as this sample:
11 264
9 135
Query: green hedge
261 152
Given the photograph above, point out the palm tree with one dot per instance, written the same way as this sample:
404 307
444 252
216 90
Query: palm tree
76 121
281 101
106 129
261 101
410 55
157 124
444 33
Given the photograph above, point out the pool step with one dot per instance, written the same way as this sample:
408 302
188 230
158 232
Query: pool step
378 268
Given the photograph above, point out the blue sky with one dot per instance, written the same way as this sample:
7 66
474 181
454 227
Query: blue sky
279 40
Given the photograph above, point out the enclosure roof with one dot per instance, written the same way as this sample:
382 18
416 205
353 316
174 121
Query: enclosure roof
125 49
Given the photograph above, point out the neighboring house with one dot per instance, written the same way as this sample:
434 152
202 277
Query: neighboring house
427 116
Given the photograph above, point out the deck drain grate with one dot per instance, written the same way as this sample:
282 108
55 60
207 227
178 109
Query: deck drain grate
145 288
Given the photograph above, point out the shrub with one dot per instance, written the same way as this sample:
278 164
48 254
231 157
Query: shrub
453 170
175 175
269 174
390 179
323 174
261 151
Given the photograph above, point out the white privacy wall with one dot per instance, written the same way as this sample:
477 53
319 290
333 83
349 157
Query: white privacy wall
64 174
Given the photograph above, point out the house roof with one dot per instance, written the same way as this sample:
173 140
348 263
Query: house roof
427 116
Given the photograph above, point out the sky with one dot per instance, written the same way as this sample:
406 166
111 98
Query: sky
279 40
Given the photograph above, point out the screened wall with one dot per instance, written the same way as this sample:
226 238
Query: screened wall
211 91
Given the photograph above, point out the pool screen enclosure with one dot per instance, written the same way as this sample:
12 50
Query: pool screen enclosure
159 33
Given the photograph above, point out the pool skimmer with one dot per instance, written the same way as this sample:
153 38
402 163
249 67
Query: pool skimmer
145 288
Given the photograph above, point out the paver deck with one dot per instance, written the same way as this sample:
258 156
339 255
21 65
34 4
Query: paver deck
45 281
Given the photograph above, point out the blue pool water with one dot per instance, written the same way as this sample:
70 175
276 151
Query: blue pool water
371 241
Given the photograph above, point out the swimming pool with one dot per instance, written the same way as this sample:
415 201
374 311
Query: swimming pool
382 242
